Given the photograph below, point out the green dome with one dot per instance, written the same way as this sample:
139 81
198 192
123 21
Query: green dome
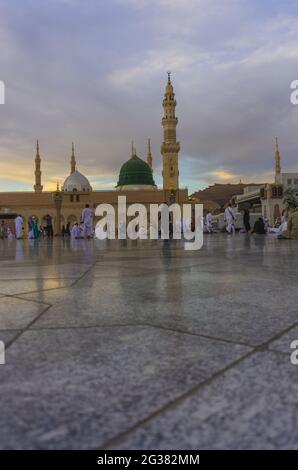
135 172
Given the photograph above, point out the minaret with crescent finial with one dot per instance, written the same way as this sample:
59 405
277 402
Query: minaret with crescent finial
38 186
170 147
73 163
277 162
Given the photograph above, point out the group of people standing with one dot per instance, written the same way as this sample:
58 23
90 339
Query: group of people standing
34 231
230 220
287 227
84 230
259 226
5 231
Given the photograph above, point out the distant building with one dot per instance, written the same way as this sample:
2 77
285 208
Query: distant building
216 197
267 199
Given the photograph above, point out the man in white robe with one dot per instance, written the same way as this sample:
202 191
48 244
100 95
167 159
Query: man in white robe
87 219
209 222
230 219
18 222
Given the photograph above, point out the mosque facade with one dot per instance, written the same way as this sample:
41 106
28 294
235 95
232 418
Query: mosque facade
136 182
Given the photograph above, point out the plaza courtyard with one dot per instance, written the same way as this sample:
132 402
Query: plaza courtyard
146 346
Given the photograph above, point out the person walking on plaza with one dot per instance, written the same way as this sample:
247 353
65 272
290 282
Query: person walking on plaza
30 227
246 220
18 223
230 219
35 228
49 226
209 222
87 220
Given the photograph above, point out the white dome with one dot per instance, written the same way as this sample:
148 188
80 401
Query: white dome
76 182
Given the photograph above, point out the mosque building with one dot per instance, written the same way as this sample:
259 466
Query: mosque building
136 182
268 199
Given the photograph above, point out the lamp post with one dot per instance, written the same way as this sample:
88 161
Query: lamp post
57 197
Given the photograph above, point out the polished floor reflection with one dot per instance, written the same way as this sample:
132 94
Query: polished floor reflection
144 345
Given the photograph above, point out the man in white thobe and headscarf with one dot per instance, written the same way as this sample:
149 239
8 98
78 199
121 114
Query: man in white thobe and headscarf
87 219
209 222
18 222
230 219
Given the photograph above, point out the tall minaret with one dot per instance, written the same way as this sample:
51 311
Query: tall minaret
149 154
37 187
277 162
73 162
170 147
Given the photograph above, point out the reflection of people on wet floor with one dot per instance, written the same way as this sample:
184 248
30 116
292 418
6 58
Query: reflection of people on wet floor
259 227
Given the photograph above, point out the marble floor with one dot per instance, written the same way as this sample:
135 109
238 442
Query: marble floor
146 346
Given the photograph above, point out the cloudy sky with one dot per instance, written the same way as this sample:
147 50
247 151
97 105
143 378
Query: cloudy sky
94 71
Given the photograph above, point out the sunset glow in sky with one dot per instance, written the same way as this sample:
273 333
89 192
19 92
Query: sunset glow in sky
94 72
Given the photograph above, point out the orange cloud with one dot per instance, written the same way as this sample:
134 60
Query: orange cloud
226 176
